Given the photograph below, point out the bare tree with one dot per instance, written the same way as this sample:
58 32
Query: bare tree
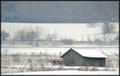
20 35
30 35
4 35
98 41
107 29
91 25
89 40
16 58
68 41
117 39
30 64
60 53
52 38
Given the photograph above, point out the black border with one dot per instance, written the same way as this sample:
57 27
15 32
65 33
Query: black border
53 0
59 0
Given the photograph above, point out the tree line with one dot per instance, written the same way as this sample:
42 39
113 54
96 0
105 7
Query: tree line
34 36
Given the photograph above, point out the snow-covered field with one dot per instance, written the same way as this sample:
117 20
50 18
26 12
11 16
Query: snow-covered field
67 72
112 51
63 46
51 50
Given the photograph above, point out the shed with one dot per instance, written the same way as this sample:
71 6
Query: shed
83 57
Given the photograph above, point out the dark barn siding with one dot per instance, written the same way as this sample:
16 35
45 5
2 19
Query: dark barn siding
72 58
94 61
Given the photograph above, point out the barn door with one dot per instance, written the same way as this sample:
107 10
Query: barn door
72 59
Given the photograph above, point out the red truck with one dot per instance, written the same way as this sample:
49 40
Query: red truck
56 61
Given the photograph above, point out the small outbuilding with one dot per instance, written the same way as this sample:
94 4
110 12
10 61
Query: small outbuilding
83 57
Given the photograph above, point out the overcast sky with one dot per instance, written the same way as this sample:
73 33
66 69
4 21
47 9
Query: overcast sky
59 11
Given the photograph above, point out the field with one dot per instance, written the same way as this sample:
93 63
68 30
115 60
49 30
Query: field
31 60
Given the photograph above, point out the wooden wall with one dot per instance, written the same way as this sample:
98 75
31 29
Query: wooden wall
72 58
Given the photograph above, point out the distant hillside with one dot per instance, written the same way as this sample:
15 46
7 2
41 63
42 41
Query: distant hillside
60 11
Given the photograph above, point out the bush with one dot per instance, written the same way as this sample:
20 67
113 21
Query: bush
68 41
98 41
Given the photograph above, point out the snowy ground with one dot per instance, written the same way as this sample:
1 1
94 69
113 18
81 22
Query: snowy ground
68 72
55 50
63 46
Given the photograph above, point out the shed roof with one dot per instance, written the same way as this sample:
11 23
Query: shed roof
92 53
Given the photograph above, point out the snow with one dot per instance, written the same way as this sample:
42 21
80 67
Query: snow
90 53
51 51
57 50
67 69
64 46
67 72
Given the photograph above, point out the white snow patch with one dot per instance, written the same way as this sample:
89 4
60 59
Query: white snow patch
55 51
68 72
51 51
90 53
